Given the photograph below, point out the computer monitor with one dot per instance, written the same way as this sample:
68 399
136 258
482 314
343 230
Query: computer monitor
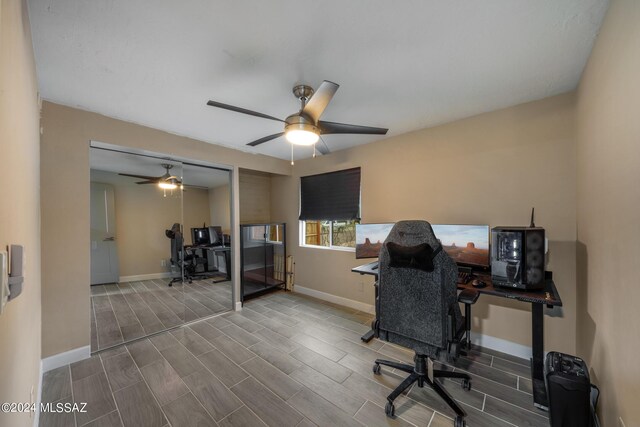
215 235
200 236
370 237
466 244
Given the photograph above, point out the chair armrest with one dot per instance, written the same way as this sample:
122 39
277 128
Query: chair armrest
468 296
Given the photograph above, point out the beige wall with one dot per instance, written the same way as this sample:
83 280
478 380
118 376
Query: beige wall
488 169
65 206
19 211
196 210
255 197
143 213
608 148
220 207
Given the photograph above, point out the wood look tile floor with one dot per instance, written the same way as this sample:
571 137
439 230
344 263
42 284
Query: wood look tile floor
284 360
128 311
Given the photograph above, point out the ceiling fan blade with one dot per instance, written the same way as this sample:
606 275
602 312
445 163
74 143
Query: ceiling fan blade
147 182
138 176
265 139
322 147
331 127
242 110
320 99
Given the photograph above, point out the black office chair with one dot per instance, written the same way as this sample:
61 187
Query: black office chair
181 258
417 308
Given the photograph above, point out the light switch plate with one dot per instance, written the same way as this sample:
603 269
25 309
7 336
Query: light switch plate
4 280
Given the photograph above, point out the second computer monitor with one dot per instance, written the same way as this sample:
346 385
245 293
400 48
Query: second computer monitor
215 235
466 244
200 236
370 237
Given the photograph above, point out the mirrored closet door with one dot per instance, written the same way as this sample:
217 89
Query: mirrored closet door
158 258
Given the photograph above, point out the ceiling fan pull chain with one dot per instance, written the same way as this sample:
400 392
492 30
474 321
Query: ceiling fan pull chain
291 154
314 151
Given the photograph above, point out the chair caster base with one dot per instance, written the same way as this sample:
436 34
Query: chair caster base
389 409
376 369
459 422
466 384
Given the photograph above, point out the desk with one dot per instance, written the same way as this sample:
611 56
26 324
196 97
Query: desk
226 250
538 299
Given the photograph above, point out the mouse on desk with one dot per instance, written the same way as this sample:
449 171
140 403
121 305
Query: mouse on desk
478 283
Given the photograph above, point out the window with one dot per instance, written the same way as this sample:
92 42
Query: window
329 233
272 232
275 234
334 198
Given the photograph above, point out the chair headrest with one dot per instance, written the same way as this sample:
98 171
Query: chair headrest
419 257
413 233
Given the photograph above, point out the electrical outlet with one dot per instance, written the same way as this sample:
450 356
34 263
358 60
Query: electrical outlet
620 422
163 262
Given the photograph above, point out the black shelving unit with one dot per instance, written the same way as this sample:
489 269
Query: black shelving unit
263 258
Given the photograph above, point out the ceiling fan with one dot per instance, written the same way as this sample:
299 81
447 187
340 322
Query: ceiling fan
166 181
305 126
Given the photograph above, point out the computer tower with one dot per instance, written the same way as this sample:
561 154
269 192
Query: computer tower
518 257
569 391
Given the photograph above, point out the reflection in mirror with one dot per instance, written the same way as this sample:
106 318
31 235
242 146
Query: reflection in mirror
159 245
132 261
206 208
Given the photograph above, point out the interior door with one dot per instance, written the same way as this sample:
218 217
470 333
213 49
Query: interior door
104 252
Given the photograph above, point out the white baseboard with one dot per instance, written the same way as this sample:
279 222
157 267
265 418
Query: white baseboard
138 277
499 344
486 341
61 359
367 308
36 415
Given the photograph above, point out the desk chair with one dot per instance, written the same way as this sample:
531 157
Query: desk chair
181 258
417 308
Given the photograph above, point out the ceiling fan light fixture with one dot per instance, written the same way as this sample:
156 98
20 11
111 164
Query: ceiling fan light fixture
302 137
301 133
167 185
170 183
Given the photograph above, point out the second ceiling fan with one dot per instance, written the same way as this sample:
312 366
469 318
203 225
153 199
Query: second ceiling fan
305 126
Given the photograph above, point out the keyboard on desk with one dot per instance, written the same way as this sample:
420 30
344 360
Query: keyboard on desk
464 278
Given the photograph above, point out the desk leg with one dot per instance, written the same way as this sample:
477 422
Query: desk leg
371 333
227 260
537 361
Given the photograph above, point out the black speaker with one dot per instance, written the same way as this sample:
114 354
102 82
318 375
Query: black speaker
517 257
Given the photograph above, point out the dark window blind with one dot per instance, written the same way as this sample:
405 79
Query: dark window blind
331 196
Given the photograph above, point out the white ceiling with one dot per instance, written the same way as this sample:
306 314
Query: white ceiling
116 162
402 65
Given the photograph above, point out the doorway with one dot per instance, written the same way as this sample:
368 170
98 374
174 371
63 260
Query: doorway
148 273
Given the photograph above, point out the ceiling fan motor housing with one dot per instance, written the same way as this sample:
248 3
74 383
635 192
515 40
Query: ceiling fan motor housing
300 121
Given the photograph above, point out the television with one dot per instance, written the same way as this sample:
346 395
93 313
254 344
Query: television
200 236
466 244
370 237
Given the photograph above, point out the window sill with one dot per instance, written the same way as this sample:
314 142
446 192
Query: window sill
329 248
